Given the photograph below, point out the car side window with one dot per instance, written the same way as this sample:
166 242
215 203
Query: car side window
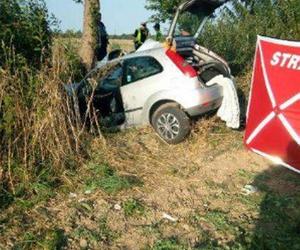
139 68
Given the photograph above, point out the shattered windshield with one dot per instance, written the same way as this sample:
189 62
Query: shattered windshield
99 76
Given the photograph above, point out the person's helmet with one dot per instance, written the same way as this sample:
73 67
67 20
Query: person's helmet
144 24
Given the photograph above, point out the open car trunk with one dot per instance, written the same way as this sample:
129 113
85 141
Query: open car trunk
201 8
207 63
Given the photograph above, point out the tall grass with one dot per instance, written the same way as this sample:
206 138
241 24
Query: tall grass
41 137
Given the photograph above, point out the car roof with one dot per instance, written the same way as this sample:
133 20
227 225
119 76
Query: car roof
155 52
148 52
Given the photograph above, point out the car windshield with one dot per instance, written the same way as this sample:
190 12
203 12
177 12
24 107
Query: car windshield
107 74
115 77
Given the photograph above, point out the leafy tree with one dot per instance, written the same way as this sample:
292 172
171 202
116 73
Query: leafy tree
164 9
234 33
25 28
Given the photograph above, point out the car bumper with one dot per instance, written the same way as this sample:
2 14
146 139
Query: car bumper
202 100
201 109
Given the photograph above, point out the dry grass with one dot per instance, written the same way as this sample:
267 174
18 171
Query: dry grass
41 135
126 45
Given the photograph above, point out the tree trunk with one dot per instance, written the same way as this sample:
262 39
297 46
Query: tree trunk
89 38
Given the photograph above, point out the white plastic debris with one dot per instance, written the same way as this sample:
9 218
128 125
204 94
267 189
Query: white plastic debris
117 207
249 189
169 217
230 108
88 191
72 195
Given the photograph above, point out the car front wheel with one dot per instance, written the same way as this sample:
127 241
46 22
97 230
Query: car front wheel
171 123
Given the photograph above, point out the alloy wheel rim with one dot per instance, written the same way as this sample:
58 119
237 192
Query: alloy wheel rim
168 126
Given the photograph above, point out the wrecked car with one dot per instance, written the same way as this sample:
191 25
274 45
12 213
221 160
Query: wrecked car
161 85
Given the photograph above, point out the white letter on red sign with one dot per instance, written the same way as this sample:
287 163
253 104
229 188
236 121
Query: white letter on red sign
276 58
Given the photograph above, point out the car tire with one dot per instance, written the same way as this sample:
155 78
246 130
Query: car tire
171 123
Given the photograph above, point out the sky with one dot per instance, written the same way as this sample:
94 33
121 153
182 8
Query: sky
119 16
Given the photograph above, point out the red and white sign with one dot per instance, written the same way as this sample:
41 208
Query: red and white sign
273 117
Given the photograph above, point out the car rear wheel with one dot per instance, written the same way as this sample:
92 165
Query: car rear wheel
171 123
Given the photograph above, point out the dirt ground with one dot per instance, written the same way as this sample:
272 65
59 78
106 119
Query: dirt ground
137 192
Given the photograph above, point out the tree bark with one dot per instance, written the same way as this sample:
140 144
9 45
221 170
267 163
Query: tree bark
89 38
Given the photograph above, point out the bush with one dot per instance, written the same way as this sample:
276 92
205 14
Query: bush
25 30
41 139
233 35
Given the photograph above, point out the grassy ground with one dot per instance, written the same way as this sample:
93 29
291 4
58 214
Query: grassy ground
136 192
118 199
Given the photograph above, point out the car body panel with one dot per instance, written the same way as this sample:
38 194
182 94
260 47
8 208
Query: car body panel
188 99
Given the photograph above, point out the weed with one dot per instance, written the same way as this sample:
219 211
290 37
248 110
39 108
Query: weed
169 244
55 239
82 232
6 198
251 201
218 219
106 178
51 239
245 174
106 234
37 192
214 185
133 207
103 234
85 207
207 242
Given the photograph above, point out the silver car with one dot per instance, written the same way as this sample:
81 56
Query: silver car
160 85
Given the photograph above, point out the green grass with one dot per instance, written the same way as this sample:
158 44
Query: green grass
50 239
107 179
246 174
169 244
133 207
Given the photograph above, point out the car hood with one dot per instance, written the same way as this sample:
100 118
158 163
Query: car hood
149 44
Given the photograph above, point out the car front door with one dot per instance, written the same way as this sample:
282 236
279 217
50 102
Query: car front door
141 78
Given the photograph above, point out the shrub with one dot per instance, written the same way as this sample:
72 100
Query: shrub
40 138
25 29
233 35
